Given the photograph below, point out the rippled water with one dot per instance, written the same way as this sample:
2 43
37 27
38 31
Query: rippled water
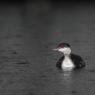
29 32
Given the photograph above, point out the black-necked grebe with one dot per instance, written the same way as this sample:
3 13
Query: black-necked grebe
68 61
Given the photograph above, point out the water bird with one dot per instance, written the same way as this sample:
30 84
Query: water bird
68 61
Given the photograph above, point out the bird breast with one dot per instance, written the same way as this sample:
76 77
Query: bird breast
67 64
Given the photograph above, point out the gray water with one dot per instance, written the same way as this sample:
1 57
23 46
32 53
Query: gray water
28 33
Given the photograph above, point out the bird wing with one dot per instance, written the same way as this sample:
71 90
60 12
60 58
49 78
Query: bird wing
78 61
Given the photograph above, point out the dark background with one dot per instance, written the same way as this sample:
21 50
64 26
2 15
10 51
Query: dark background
29 30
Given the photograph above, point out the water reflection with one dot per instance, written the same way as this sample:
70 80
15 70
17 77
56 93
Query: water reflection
66 80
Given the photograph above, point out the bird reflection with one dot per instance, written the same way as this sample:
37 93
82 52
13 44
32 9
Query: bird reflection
66 80
67 76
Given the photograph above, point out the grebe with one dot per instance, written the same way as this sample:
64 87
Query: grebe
68 61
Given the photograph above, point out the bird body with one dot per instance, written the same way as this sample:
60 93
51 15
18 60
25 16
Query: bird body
75 59
68 61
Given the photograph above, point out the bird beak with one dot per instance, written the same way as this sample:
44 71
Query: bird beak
56 49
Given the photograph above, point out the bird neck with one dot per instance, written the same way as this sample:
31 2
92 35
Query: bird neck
67 52
67 55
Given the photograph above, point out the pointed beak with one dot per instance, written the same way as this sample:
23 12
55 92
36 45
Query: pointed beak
56 49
